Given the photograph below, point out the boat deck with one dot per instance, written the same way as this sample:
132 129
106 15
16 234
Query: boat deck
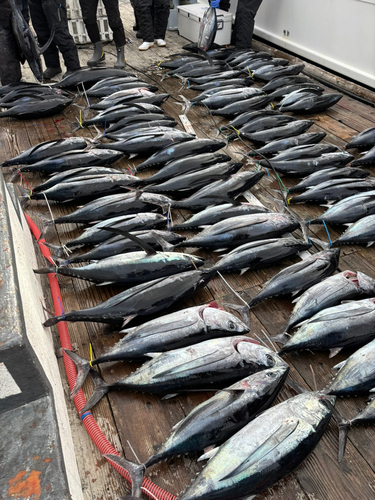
137 423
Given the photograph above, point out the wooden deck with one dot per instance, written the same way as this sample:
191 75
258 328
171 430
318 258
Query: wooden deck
140 422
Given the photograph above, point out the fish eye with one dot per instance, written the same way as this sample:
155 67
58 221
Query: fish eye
231 325
270 359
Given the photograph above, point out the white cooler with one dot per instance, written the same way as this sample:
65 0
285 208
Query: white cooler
190 19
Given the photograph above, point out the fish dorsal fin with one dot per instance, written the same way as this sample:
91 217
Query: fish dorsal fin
333 352
282 433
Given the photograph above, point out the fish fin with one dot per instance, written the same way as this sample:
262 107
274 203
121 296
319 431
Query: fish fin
269 445
208 455
299 389
244 270
333 352
343 434
100 390
136 472
321 243
295 300
133 155
48 269
83 368
325 205
127 320
243 310
167 247
153 355
58 250
145 246
209 448
49 41
220 249
280 339
369 244
339 365
372 390
170 396
105 283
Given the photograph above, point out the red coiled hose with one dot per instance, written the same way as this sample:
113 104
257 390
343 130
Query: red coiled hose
100 441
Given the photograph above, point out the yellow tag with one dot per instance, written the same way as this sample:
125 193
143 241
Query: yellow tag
80 118
91 358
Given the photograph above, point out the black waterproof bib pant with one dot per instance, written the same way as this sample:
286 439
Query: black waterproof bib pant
89 8
244 23
152 16
44 15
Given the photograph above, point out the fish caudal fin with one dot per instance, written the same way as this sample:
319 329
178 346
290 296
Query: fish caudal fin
135 471
101 389
83 368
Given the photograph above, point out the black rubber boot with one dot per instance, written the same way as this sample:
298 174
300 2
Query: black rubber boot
120 63
98 55
51 72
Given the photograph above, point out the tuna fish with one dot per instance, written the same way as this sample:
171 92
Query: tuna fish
37 108
249 104
192 181
215 420
289 130
207 31
222 82
327 175
27 45
265 450
265 123
89 76
335 328
259 254
235 185
47 149
299 277
232 232
363 140
186 165
312 104
287 89
118 244
178 151
361 232
114 205
74 159
281 81
283 144
219 213
356 374
208 365
305 151
132 268
334 190
367 159
173 331
140 300
349 209
226 97
282 71
328 293
307 166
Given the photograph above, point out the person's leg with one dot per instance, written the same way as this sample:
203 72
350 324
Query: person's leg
89 8
114 21
244 23
10 68
145 20
56 16
42 30
161 16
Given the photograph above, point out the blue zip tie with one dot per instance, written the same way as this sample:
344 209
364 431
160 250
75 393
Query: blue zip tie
85 415
308 237
62 310
88 98
168 221
329 238
267 172
188 84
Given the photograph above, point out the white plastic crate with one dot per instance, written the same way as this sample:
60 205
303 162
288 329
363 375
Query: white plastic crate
190 19
73 9
78 31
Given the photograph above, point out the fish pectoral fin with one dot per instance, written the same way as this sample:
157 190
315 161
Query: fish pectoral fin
333 352
282 433
170 396
105 283
339 365
369 244
195 364
208 455
153 355
244 270
128 320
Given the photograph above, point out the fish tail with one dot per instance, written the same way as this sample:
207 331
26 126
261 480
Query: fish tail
47 269
58 250
83 368
280 339
167 247
53 321
343 434
135 471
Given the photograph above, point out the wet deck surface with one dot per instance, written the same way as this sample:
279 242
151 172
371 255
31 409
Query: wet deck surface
140 422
